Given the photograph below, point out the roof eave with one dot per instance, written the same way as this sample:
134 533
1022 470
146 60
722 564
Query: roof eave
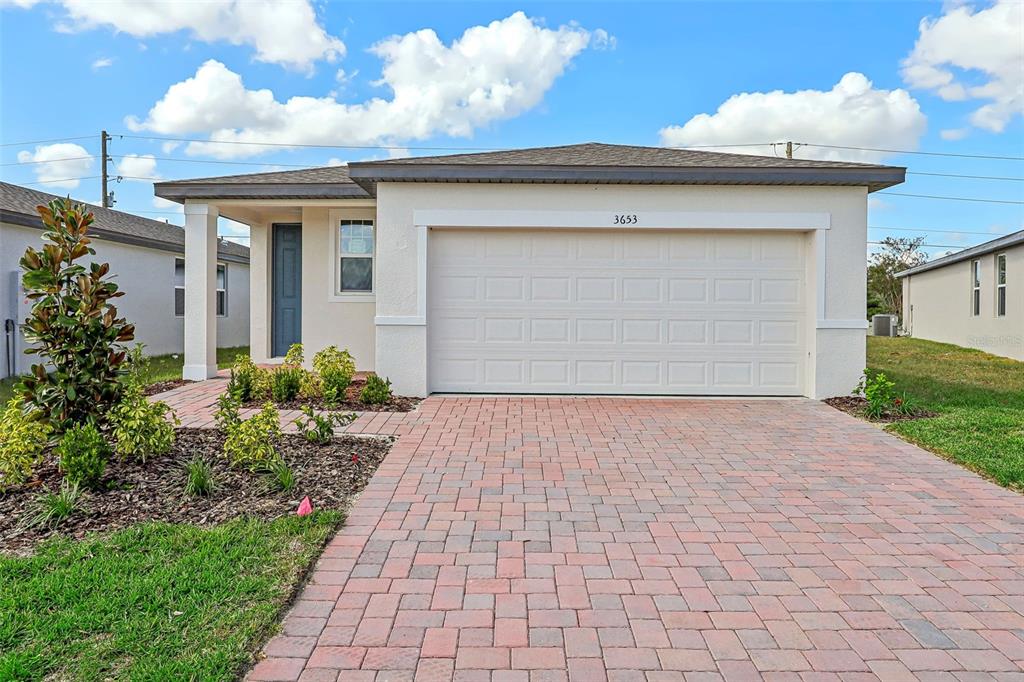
182 191
1010 241
367 174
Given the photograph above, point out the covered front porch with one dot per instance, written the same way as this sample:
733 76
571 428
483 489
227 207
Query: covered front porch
312 271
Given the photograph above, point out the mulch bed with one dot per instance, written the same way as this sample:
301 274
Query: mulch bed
857 406
133 492
162 386
397 403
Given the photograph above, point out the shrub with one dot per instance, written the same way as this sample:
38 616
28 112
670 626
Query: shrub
376 391
312 386
879 392
250 443
141 428
138 367
23 435
52 508
287 383
83 454
73 324
335 369
227 415
248 382
280 474
198 477
295 355
319 428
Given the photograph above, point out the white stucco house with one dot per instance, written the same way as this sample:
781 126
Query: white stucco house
147 257
582 269
973 298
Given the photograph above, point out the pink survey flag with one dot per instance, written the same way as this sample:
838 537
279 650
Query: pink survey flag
305 507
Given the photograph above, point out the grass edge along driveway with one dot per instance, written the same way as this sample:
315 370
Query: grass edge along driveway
978 399
154 601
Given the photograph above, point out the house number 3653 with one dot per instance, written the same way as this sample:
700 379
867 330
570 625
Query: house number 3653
625 219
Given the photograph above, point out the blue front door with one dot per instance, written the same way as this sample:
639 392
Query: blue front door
286 286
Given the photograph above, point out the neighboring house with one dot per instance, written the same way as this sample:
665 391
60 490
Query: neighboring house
973 298
147 259
591 268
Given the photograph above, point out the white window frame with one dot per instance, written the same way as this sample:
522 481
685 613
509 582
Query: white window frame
975 288
334 256
1000 286
218 291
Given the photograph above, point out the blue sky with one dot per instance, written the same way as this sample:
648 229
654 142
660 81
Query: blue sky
493 75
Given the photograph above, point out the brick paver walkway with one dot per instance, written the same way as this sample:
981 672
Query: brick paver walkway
626 539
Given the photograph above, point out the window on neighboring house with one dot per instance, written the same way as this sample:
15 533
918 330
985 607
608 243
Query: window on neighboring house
355 256
1001 284
179 288
975 287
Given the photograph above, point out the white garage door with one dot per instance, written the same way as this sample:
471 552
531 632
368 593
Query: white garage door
642 312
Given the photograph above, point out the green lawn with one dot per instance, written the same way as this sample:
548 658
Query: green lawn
979 399
162 368
154 601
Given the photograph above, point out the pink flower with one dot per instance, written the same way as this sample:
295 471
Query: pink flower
355 458
305 507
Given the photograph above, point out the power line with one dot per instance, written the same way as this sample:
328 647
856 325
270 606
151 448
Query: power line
46 182
928 229
935 196
970 177
908 151
55 139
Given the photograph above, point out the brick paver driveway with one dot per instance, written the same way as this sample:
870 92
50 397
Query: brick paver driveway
622 539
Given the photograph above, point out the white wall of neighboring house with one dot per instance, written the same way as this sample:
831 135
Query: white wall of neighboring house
937 305
145 275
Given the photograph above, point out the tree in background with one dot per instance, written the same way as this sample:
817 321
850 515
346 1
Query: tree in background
885 291
73 324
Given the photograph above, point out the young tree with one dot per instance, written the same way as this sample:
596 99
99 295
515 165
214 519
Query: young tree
885 291
73 324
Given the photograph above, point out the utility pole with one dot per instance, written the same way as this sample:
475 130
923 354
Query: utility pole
789 150
106 199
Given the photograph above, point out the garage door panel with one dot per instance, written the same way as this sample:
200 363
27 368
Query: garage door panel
616 312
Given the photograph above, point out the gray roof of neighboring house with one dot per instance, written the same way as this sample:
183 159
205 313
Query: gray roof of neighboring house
18 206
999 244
578 163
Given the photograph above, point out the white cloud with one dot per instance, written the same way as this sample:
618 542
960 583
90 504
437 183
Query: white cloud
138 167
282 32
58 165
161 203
953 133
490 73
853 114
968 54
102 63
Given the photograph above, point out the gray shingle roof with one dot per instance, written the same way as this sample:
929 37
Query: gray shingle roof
18 206
577 163
614 155
998 244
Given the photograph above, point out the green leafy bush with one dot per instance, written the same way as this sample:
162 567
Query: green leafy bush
248 381
23 435
227 414
83 454
295 355
287 383
335 369
73 325
138 367
879 392
312 386
376 391
198 477
141 428
250 443
319 428
281 475
52 508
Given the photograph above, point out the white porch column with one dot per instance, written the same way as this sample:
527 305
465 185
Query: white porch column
200 292
259 292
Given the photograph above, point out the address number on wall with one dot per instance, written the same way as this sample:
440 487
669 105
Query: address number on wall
625 219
